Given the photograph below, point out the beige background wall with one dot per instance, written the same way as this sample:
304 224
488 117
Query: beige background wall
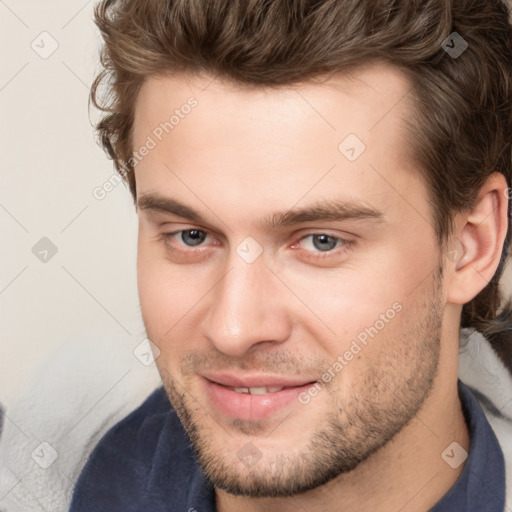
50 165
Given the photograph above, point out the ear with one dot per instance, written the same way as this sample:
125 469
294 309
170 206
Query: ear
477 243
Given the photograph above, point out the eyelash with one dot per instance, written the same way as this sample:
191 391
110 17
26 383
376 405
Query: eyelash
345 244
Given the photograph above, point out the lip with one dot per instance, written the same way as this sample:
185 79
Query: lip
255 381
249 407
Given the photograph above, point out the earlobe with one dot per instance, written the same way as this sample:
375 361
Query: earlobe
479 237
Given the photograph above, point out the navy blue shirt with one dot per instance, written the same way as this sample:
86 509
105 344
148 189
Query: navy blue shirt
145 463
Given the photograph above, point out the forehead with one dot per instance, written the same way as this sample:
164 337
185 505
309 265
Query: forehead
344 134
373 92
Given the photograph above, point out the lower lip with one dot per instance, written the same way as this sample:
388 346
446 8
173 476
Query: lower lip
245 406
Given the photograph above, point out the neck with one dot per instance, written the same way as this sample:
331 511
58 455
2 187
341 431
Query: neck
407 474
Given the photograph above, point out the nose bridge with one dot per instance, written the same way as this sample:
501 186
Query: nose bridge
246 308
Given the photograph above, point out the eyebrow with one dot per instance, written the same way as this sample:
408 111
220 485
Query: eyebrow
327 211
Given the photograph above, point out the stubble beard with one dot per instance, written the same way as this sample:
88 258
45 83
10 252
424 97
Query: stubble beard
391 394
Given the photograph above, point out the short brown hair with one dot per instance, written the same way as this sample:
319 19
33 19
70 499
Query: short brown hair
461 127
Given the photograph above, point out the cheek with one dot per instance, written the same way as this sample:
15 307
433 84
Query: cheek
169 295
163 303
148 282
359 324
367 305
348 300
159 291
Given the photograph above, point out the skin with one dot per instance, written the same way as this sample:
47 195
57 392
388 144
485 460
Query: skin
372 439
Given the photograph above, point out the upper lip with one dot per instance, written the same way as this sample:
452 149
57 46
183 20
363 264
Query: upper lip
255 381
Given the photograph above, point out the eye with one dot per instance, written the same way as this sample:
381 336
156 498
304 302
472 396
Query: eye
323 242
184 238
322 247
192 237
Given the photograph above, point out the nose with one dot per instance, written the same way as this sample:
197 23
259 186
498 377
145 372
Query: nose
247 307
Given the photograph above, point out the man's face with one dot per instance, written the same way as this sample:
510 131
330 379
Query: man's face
298 314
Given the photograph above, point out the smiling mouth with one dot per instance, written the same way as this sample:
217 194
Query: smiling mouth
254 402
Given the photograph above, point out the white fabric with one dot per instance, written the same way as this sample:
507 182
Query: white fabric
86 386
82 391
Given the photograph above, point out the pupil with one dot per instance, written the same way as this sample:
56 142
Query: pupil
324 242
193 237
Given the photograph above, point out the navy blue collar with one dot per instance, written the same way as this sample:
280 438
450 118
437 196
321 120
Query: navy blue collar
481 485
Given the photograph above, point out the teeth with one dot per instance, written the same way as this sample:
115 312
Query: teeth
258 391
